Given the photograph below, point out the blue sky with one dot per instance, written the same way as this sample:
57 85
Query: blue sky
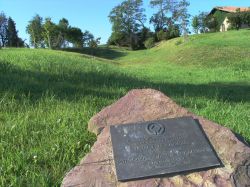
89 15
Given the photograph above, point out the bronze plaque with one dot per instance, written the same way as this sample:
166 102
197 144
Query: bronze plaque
163 147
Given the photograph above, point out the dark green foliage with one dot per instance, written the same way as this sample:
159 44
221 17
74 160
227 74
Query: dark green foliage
63 32
212 23
75 36
174 31
237 19
8 33
12 36
246 18
3 29
143 36
149 43
89 38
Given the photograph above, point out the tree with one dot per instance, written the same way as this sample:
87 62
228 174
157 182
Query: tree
196 24
51 34
236 20
75 36
93 43
164 15
181 13
212 23
63 27
87 38
12 34
35 30
3 29
203 21
246 18
127 20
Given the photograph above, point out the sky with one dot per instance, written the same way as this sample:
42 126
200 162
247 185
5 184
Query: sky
89 15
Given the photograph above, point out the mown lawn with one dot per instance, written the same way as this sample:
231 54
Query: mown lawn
47 97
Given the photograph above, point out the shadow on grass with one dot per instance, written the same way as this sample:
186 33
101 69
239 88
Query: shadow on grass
71 86
101 52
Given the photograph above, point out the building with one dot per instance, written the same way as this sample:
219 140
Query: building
221 14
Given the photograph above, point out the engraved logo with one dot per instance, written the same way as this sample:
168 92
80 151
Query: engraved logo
155 129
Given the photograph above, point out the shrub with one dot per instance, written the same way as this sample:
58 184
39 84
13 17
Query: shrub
161 35
149 43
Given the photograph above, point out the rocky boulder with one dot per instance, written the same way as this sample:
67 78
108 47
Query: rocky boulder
97 168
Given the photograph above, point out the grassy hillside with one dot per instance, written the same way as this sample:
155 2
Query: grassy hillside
47 97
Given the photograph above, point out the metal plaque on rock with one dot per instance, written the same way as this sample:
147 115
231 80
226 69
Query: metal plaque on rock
162 147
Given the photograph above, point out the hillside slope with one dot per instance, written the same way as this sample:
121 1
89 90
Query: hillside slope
47 97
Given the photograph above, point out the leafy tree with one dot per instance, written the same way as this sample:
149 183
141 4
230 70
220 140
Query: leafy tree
35 30
143 35
3 30
212 23
117 38
164 15
63 27
196 24
93 43
236 20
181 14
174 31
246 18
203 22
51 34
75 36
127 20
12 34
171 15
88 38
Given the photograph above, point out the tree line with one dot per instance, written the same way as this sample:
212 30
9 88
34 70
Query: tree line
170 20
8 33
45 33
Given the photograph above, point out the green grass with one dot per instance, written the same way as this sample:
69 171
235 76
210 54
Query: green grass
47 97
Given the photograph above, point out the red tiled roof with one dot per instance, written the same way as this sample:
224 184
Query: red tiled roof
232 9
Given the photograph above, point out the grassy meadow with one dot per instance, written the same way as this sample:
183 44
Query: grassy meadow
47 97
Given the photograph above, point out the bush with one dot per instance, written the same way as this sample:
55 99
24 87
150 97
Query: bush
149 43
161 35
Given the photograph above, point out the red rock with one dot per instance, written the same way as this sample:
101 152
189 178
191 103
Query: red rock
97 168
